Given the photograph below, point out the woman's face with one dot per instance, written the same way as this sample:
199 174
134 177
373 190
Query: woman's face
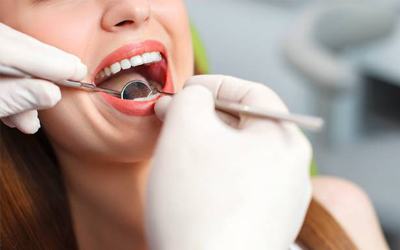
103 32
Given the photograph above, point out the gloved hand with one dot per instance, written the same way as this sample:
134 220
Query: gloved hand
238 184
21 98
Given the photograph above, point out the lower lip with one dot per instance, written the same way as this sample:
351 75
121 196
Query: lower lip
138 108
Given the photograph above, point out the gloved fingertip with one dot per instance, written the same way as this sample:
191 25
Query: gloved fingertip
30 127
161 107
80 71
27 122
47 94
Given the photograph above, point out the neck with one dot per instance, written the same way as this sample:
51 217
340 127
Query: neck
106 201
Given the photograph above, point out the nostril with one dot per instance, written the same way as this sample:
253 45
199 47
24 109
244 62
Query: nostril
124 23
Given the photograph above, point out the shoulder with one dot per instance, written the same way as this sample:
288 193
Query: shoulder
353 210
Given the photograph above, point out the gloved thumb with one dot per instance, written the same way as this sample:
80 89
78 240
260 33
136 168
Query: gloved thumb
193 105
161 107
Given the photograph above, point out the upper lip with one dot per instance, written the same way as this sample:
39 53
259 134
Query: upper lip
129 50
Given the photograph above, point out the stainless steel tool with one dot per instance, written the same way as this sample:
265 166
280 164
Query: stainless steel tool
139 89
14 72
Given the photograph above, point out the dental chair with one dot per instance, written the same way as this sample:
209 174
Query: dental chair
315 47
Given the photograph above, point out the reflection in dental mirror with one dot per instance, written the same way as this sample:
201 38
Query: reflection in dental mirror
136 89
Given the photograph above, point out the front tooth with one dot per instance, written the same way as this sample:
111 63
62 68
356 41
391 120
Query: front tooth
152 57
115 68
147 58
156 56
159 56
125 64
136 61
107 71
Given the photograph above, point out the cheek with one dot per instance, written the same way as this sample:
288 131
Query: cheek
173 17
79 126
69 28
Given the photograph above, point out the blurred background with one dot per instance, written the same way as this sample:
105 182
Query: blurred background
338 59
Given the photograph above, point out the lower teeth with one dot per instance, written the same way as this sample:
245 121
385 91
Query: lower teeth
154 93
148 98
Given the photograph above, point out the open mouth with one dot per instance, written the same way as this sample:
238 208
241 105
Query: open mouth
149 66
142 61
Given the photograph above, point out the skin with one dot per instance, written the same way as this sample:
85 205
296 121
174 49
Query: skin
105 159
352 208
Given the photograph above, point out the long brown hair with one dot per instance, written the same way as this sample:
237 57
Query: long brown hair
34 208
35 212
321 231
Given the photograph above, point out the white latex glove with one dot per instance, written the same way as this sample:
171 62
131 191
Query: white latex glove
214 186
21 98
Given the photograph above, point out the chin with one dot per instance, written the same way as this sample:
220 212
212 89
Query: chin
79 126
127 146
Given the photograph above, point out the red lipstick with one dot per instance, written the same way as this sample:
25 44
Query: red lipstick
131 107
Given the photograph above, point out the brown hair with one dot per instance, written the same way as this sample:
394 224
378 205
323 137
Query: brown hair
321 231
35 212
34 209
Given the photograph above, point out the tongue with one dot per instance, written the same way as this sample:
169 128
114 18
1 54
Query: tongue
118 82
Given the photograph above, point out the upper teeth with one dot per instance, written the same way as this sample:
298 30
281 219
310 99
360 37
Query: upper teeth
138 60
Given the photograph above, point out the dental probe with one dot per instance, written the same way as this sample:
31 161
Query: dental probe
139 88
307 122
131 90
14 72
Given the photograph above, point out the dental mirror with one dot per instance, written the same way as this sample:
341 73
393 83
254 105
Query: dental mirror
141 89
136 89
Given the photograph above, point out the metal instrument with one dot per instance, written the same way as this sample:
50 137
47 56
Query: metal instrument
139 89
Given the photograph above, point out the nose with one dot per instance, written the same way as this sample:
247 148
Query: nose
123 14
